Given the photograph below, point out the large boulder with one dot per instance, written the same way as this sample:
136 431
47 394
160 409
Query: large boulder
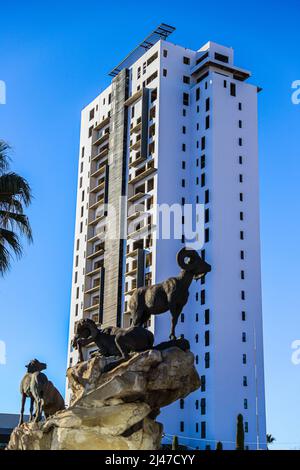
114 404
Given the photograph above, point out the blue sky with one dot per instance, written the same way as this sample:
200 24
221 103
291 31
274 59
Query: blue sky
54 58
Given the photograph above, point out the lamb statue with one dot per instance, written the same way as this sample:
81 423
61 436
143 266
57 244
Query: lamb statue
171 294
41 391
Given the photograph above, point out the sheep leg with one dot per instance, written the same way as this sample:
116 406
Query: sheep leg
175 315
138 319
124 353
21 420
31 408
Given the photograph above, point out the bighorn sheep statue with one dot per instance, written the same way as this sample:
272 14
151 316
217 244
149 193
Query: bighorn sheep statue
171 294
41 392
112 341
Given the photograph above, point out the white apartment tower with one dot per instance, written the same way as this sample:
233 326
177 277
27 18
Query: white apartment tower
178 126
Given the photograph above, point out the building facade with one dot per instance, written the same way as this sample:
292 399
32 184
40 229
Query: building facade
177 129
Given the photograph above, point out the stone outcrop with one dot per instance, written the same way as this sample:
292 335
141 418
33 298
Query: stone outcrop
114 409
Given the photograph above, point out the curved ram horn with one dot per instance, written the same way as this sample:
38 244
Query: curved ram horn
187 253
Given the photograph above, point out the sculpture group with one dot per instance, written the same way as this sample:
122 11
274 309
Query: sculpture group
171 295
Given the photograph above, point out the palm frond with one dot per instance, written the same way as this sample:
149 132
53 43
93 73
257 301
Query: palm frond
10 203
8 241
14 220
11 184
4 158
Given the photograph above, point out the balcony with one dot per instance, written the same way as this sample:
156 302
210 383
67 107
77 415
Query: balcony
133 162
143 172
97 220
137 127
102 124
92 307
94 271
101 139
102 153
98 188
137 144
101 169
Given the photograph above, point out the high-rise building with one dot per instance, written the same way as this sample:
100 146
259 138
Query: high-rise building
177 128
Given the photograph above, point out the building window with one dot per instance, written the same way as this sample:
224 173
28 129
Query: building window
183 147
245 381
203 143
242 254
243 316
245 404
197 404
207 360
246 426
165 72
202 297
203 180
207 122
165 53
92 114
207 104
241 197
240 141
202 161
241 215
184 112
241 235
203 383
186 60
206 216
206 196
76 310
197 427
182 201
181 426
203 429
243 295
186 79
244 337
82 152
203 406
221 57
185 99
183 129
183 183
197 338
242 274
206 316
240 106
183 165
240 123
225 83
206 338
232 89
240 160
244 359
206 235
90 131
181 403
197 94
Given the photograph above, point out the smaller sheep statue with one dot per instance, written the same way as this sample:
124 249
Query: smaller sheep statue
44 397
111 341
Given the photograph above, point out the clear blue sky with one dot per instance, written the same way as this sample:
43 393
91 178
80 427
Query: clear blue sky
54 58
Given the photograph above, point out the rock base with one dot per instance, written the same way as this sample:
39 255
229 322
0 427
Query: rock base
114 409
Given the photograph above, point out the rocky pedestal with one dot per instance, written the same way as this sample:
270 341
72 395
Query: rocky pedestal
114 409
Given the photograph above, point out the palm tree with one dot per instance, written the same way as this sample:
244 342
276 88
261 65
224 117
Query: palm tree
15 193
270 439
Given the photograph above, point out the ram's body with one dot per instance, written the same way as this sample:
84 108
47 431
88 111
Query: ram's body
171 294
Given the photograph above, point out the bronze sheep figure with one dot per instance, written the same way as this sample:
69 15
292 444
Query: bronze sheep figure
171 294
44 397
111 341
